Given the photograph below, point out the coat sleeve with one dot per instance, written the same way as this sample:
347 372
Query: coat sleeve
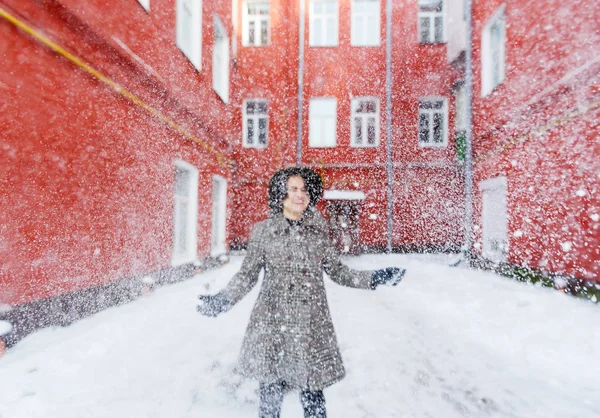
341 274
243 282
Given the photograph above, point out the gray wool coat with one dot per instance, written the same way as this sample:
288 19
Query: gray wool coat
290 335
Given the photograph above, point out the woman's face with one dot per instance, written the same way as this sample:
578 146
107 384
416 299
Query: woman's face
297 199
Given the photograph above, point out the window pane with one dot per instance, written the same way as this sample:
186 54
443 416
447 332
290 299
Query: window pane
251 32
262 131
261 107
318 7
439 29
264 33
182 182
371 131
182 227
371 106
424 26
250 131
424 128
438 128
358 131
329 131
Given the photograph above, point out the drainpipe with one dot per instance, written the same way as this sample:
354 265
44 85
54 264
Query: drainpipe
388 117
300 81
469 131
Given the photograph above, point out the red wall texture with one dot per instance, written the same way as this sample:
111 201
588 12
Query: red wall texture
345 71
549 106
87 174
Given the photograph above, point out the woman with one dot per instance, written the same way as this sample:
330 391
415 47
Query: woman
290 341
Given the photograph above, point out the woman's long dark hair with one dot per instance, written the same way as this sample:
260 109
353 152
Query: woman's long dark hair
278 186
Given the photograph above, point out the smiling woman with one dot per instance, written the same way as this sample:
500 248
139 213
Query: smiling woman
290 341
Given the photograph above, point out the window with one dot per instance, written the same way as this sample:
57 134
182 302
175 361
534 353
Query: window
460 122
431 21
365 122
145 4
493 48
323 23
220 57
322 122
256 123
494 218
256 30
189 30
219 216
185 215
433 122
366 21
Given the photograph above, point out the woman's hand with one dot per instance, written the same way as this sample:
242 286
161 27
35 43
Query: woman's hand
390 276
212 305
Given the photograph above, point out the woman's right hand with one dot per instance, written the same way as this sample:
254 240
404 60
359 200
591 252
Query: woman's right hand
213 305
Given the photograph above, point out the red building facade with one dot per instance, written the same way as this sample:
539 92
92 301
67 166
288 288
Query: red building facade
138 137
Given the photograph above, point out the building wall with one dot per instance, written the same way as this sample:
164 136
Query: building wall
343 72
87 174
539 129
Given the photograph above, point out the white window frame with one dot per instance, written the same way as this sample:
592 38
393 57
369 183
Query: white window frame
319 24
220 60
187 254
316 123
258 20
219 216
432 16
495 247
189 31
364 122
430 113
363 32
256 121
493 54
145 4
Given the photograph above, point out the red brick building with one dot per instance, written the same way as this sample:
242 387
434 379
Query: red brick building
137 137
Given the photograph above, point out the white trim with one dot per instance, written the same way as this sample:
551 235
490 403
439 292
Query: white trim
145 4
190 210
488 84
444 110
219 222
313 118
364 117
257 19
493 183
368 33
255 118
343 195
318 23
220 60
188 27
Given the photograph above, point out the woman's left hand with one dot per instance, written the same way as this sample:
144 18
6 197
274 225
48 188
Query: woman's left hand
390 276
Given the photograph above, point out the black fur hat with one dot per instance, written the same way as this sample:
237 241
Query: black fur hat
278 186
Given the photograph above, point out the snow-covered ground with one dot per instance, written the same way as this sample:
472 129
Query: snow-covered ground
447 342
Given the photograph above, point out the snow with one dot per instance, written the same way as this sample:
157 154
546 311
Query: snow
343 195
5 327
446 342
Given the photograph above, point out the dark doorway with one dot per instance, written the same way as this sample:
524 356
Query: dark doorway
343 218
